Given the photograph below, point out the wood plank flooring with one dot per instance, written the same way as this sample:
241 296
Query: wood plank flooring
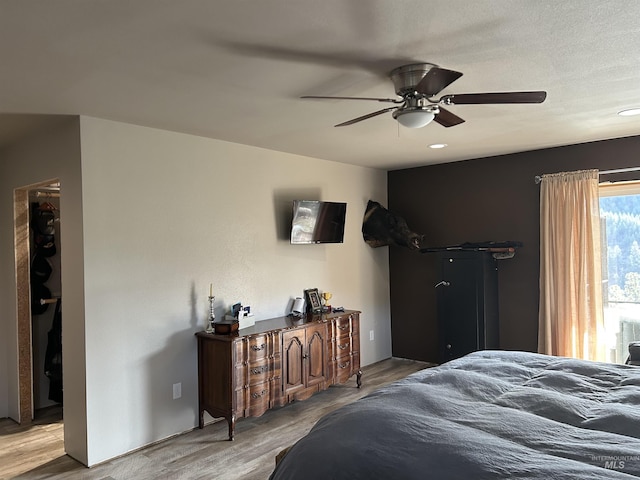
37 451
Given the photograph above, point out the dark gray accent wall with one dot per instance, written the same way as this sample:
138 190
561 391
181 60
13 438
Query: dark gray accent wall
484 199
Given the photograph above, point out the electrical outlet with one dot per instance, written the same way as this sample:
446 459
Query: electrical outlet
371 336
177 390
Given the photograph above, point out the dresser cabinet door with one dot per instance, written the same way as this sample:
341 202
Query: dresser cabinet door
293 348
305 360
316 355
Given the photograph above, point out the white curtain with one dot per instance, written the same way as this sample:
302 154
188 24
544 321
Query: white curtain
570 317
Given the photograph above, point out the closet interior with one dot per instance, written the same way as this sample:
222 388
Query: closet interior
46 298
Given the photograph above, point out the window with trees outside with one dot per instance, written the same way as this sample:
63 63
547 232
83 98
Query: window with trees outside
620 227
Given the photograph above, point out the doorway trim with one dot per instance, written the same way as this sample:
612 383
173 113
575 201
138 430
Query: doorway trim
22 251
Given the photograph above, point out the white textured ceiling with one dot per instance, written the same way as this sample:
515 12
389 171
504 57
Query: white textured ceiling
234 70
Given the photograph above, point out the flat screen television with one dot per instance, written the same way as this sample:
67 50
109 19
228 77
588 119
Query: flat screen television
318 222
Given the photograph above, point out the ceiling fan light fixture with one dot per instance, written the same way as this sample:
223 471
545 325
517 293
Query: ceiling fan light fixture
414 118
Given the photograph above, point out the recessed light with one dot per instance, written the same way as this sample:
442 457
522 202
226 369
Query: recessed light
438 145
629 112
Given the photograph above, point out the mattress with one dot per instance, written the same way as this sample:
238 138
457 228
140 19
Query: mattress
488 415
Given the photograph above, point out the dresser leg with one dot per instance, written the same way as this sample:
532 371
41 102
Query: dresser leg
231 420
359 378
201 424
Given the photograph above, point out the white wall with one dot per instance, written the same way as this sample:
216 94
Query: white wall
165 215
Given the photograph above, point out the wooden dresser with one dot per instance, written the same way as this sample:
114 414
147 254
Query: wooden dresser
275 362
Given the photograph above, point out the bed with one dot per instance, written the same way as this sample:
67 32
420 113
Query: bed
488 415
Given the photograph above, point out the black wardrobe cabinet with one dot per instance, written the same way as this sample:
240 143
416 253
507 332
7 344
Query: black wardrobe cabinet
467 298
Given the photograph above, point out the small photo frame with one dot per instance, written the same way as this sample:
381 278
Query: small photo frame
313 300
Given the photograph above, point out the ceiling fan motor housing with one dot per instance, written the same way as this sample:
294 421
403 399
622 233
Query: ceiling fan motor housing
406 77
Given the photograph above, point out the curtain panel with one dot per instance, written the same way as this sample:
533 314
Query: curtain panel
570 313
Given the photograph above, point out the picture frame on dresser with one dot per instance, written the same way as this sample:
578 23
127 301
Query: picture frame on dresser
313 300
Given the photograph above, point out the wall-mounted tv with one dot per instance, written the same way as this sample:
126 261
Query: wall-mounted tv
318 222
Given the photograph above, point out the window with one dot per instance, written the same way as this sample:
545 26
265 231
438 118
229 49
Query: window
620 214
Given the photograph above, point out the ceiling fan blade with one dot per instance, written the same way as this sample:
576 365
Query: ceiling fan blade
436 80
365 117
447 119
392 100
504 97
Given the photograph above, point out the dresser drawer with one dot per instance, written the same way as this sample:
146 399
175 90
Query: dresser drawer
258 372
343 346
344 369
257 346
343 326
257 399
252 348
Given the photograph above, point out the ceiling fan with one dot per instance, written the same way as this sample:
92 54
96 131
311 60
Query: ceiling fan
417 83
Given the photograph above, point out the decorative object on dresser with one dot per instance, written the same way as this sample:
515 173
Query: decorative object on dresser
313 300
297 309
242 314
275 362
212 316
326 306
226 326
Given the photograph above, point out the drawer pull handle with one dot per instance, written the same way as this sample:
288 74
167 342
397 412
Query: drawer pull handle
258 395
344 365
259 370
257 348
343 346
343 327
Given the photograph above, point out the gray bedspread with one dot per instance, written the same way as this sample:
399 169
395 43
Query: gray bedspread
488 415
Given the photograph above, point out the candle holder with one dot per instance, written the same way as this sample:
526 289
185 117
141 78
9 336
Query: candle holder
212 316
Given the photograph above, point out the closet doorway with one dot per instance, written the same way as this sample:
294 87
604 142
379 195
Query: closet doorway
39 301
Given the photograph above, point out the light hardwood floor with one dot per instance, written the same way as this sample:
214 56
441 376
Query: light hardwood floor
37 452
